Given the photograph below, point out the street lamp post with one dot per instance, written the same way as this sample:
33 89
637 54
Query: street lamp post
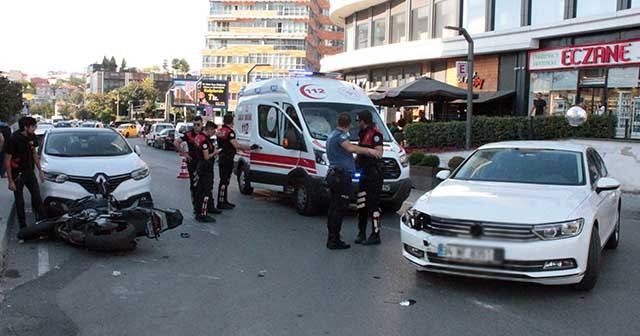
253 67
469 81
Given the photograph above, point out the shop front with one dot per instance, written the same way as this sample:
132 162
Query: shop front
603 77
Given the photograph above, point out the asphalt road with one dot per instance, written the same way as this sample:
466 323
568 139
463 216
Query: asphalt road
261 269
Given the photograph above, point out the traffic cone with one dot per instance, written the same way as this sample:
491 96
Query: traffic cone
184 174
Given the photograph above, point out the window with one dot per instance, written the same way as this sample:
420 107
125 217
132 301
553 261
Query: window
420 23
349 35
362 33
635 3
594 169
546 11
379 32
506 14
398 23
445 15
594 7
474 15
268 121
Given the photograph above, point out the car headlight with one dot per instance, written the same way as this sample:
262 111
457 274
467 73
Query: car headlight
141 173
415 219
404 161
321 157
559 230
55 177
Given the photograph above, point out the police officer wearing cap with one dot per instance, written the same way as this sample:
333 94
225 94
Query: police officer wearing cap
371 179
229 146
204 171
341 169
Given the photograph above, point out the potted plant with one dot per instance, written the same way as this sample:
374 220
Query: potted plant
423 169
454 162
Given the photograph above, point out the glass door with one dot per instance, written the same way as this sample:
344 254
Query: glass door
593 99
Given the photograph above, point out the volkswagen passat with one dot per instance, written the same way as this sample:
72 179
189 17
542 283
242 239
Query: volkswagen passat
526 211
76 160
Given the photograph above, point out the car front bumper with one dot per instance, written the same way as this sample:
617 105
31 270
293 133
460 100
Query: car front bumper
523 260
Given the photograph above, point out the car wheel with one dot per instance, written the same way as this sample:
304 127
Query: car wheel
614 240
305 199
243 182
593 263
126 135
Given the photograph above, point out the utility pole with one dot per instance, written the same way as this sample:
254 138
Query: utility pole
470 75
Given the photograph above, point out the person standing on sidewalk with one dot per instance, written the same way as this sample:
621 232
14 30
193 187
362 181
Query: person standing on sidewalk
5 132
371 180
20 160
341 169
204 171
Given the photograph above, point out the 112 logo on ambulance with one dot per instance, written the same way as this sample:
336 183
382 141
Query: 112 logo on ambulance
313 91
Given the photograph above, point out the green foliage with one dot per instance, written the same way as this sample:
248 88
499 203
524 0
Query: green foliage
493 129
109 64
43 109
10 99
180 65
123 65
98 106
416 158
454 162
430 161
165 65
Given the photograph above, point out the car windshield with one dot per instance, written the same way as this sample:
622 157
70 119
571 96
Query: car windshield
321 119
520 165
78 144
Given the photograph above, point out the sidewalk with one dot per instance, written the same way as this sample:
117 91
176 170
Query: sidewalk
6 213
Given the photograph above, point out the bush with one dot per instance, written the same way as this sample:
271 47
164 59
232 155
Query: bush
454 162
493 129
430 161
416 158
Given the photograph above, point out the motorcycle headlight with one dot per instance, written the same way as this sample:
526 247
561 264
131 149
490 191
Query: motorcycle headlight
321 157
55 177
415 219
559 230
404 161
141 173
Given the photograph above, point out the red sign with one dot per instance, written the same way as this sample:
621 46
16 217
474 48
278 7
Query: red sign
312 91
592 55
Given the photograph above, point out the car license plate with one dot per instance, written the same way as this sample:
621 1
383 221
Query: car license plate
386 187
472 254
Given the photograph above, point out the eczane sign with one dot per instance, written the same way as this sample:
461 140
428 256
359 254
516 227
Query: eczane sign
592 55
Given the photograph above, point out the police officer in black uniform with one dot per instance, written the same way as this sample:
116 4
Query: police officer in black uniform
192 154
204 171
228 148
371 179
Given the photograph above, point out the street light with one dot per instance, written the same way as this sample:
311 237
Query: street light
469 80
255 66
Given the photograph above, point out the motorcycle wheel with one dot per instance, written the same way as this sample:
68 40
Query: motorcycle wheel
123 240
43 228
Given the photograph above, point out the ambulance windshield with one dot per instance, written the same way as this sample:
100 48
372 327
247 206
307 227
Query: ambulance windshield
321 119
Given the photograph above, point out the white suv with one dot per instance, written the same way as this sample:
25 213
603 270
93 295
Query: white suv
75 160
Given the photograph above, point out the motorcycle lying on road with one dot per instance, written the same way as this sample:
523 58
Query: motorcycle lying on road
99 223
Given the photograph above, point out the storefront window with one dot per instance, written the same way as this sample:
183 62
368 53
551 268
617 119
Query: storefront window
362 32
474 15
506 14
624 100
445 15
594 7
420 23
592 77
546 11
398 22
379 32
379 77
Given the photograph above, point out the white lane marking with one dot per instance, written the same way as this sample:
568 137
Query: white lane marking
43 259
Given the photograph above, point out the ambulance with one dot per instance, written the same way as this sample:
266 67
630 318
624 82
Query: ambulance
290 119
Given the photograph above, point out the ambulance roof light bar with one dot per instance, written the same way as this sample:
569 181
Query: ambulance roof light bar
306 73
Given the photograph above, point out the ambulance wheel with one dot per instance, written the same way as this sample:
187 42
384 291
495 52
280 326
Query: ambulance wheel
305 199
243 183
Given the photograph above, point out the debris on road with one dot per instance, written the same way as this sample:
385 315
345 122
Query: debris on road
116 273
262 273
407 303
185 235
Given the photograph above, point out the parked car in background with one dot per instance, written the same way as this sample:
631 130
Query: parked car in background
183 127
91 124
532 211
155 129
165 139
63 124
41 129
128 130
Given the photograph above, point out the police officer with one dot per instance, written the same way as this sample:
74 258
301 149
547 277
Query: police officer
21 158
371 179
228 147
341 169
191 155
204 171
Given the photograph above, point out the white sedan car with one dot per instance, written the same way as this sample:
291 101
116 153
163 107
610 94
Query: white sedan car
524 211
76 160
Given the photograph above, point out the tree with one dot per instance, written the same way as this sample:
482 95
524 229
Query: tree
165 65
184 66
105 63
140 94
123 65
175 64
10 99
113 64
43 109
100 106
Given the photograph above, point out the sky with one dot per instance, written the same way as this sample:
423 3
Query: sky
64 35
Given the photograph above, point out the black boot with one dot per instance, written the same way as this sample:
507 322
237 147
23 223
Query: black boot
339 245
213 210
374 239
361 237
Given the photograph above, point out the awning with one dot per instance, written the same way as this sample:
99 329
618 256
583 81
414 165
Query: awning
487 96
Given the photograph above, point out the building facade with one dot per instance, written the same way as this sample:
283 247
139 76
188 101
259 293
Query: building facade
100 81
388 43
278 36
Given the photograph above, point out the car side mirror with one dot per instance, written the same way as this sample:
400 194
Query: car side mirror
607 183
136 149
443 174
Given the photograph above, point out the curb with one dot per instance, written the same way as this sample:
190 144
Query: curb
4 241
